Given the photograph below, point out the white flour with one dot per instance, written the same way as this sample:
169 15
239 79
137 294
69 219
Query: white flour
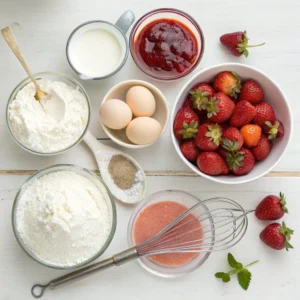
63 218
50 129
131 195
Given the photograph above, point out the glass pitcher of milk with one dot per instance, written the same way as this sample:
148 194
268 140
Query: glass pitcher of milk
99 49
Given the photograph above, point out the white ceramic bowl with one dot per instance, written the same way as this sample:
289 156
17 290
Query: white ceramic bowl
273 94
119 92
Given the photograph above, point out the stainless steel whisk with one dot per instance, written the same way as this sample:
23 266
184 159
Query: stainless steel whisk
223 224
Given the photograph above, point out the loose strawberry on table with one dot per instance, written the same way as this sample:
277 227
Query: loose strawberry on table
219 108
241 162
273 130
211 163
228 83
264 113
208 137
277 236
262 149
231 135
271 208
185 124
189 150
237 43
251 134
200 94
251 91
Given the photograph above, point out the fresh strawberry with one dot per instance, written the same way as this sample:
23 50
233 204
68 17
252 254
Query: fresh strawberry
273 130
200 94
219 108
251 91
189 150
262 149
185 124
223 153
264 113
208 137
241 162
237 43
243 114
232 134
211 163
271 208
277 236
228 83
188 103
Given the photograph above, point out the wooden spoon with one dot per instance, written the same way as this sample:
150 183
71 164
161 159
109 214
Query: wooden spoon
12 43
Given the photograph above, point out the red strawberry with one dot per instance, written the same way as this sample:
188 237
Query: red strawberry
208 137
185 124
189 150
228 83
211 163
264 113
232 134
251 91
200 93
241 163
219 108
243 114
188 103
223 153
274 130
271 208
262 149
237 43
277 236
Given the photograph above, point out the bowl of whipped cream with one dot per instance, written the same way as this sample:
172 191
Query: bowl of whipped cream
64 216
55 123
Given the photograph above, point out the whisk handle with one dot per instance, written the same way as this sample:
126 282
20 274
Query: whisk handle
116 260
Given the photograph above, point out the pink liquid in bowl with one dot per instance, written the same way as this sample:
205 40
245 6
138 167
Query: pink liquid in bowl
157 216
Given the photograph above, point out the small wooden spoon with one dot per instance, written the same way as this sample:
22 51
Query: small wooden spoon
12 43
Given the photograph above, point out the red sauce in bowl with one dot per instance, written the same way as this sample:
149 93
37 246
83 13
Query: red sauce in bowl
166 46
154 218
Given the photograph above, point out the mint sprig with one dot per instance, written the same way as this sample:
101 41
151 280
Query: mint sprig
243 274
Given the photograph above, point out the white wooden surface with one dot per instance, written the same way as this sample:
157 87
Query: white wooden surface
45 26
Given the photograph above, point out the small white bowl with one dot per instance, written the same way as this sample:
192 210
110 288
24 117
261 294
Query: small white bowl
119 92
273 94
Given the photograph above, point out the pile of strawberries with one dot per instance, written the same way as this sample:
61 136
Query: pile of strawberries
226 126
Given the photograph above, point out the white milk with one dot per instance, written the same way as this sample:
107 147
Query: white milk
95 52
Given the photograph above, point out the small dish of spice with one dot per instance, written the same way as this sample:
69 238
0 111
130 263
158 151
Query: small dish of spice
123 176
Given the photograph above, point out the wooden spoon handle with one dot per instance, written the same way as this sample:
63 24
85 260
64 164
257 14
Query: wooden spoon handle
12 43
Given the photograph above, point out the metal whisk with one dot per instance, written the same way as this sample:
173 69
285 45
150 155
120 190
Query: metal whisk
211 225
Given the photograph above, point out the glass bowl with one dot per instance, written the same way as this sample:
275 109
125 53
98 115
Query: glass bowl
172 14
53 76
81 171
183 198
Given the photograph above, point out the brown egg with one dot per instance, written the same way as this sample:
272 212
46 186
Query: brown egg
143 130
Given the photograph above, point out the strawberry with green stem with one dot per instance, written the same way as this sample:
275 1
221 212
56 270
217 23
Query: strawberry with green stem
273 129
229 83
200 94
243 274
208 137
237 43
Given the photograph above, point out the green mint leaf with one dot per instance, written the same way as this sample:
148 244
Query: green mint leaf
219 274
232 262
225 277
244 277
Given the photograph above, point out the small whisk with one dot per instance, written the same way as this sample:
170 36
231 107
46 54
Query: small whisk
211 225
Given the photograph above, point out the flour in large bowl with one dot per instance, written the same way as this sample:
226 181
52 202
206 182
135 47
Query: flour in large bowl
63 218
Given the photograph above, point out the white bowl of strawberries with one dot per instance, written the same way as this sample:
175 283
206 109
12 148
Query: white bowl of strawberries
231 123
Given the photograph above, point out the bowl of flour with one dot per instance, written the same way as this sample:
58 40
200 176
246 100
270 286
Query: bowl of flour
54 124
64 217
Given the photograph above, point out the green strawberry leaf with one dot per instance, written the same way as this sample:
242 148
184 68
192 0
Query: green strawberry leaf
244 278
231 261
